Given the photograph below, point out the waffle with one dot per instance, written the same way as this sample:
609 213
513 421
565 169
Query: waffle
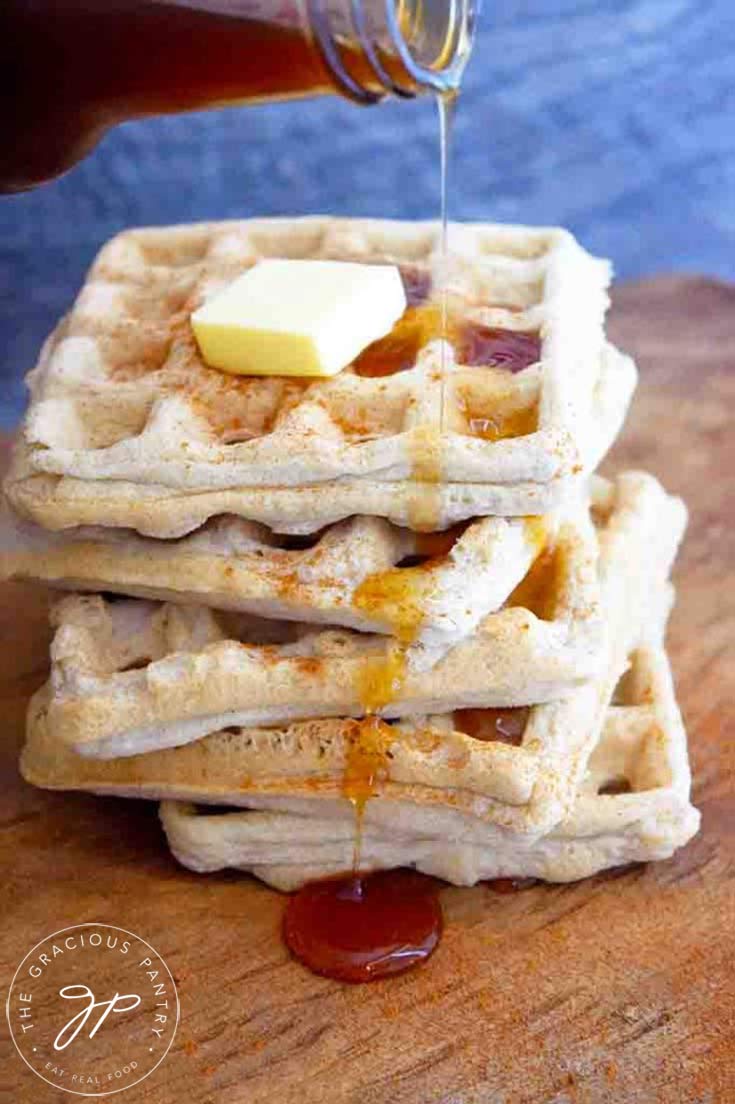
347 575
525 784
286 777
128 429
632 806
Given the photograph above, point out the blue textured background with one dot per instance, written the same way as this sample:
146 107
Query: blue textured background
613 117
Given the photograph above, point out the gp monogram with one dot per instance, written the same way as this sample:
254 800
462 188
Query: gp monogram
73 992
93 1009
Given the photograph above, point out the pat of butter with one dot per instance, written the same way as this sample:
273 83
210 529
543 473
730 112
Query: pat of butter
298 318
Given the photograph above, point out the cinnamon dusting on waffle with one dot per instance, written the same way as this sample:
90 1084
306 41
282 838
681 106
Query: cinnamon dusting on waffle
263 441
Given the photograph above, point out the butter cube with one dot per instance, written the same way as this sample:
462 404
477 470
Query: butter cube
298 317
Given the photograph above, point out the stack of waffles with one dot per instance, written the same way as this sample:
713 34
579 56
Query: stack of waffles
394 607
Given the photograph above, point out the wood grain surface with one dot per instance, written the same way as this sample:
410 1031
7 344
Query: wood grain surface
620 988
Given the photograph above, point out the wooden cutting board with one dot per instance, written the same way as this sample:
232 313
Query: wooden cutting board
620 988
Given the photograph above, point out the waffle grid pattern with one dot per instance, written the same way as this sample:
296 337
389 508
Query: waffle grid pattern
122 408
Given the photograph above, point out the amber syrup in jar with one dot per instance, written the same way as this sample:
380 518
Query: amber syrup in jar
71 70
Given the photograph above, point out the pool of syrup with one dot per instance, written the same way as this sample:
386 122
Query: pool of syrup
363 927
474 345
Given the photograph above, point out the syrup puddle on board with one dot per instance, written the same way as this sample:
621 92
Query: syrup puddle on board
361 928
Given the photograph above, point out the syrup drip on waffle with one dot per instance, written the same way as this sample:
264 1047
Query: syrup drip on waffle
474 345
398 595
366 767
426 472
446 104
419 324
539 590
367 758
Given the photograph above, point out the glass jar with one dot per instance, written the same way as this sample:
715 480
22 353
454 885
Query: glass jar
74 68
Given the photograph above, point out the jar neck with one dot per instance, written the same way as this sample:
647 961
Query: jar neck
375 48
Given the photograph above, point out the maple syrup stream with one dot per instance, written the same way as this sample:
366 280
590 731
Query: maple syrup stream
446 103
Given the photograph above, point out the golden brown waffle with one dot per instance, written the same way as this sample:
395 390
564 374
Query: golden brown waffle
127 427
527 783
363 573
632 806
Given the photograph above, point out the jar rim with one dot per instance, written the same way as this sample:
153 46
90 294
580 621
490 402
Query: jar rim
383 37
